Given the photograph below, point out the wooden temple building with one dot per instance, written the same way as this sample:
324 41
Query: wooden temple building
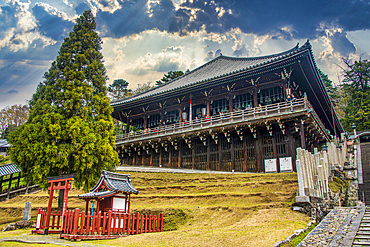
230 114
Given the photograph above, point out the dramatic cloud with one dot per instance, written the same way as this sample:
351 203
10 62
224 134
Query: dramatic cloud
143 39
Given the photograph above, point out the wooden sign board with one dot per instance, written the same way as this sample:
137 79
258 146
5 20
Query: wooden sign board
270 165
286 164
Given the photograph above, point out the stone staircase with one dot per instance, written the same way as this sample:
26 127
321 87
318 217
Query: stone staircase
363 234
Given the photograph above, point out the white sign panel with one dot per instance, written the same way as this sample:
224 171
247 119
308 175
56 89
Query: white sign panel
119 203
286 164
270 165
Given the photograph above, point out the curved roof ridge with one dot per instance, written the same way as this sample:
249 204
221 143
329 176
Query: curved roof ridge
266 56
199 74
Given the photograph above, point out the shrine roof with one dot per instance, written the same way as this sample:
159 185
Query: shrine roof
222 66
109 184
9 169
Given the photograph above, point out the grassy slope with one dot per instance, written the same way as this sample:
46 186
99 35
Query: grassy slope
206 209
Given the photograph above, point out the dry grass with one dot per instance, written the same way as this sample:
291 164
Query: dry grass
206 209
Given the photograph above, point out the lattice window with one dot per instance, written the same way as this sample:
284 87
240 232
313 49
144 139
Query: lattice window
155 158
238 153
244 101
270 95
280 143
200 155
225 154
214 156
146 158
251 152
138 123
186 153
172 117
267 146
165 158
218 106
154 121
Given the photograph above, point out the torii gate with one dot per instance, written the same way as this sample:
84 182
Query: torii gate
56 184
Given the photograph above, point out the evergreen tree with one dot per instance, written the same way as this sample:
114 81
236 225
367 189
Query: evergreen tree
118 89
169 76
356 95
69 129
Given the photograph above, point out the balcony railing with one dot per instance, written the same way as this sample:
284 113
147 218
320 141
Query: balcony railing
235 117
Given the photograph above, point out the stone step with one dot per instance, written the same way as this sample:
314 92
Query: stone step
363 232
366 237
360 243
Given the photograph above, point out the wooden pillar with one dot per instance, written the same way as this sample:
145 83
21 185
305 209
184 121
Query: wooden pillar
230 103
245 153
128 125
208 153
219 155
65 201
193 154
180 155
133 158
151 159
50 203
86 206
208 109
259 160
255 99
170 156
180 114
160 156
303 139
145 121
19 179
274 149
232 155
1 183
10 185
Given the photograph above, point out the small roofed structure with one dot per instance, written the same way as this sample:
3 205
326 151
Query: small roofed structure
112 193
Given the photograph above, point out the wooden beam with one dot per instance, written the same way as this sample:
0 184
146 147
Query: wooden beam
10 185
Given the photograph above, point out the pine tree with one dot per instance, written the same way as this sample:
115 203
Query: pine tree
69 129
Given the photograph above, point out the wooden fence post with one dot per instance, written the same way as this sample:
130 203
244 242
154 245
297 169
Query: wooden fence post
150 224
128 224
161 222
109 222
133 224
141 223
124 224
82 222
75 223
137 222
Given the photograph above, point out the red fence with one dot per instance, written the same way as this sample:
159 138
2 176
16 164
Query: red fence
54 224
99 225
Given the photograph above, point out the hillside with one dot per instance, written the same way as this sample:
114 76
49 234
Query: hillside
200 209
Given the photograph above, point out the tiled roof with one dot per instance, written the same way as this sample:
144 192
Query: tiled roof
9 169
114 182
217 68
4 143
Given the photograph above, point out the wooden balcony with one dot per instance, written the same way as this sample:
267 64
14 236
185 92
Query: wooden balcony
236 118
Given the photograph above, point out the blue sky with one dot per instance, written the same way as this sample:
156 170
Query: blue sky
144 39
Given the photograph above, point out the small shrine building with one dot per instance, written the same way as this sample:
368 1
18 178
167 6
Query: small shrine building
112 193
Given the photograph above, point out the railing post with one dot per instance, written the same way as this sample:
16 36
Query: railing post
161 222
109 222
137 222
150 224
133 225
82 222
75 223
